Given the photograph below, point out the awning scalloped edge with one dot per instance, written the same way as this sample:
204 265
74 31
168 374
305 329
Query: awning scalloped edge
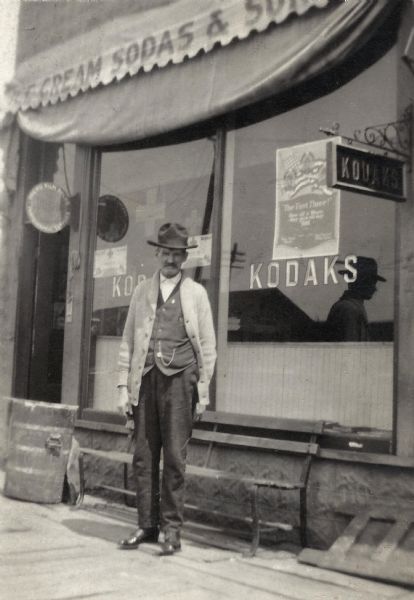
140 42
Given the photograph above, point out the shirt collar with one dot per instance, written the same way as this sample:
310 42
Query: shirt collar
173 280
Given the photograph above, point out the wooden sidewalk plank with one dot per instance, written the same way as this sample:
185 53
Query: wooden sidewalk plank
385 560
390 543
355 566
348 537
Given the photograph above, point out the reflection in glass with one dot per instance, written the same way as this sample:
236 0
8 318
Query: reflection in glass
292 239
348 320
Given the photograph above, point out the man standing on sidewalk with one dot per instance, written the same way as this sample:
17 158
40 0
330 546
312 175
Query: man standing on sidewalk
166 361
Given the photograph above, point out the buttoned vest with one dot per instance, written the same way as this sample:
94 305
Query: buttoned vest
169 348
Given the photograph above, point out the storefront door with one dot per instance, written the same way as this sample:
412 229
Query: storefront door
41 297
45 371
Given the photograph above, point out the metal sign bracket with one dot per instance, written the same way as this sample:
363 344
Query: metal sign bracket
394 137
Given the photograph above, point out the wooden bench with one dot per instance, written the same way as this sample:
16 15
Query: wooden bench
248 433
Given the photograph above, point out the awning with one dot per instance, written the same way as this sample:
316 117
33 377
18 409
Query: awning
142 41
181 64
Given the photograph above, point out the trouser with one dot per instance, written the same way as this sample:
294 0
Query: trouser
163 419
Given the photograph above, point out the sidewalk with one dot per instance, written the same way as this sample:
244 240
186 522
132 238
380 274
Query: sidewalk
54 552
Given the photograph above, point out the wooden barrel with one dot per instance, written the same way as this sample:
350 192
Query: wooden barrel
40 437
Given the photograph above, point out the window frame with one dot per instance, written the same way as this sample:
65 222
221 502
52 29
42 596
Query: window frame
87 180
87 176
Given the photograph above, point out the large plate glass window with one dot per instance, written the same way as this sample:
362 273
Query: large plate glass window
139 191
296 248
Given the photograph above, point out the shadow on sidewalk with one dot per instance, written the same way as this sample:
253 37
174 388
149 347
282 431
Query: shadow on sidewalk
110 532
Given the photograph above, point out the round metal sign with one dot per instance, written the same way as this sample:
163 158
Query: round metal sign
48 207
113 219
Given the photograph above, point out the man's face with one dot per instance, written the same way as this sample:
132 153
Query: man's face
365 287
171 261
369 289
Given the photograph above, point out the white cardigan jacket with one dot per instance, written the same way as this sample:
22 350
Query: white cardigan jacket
198 324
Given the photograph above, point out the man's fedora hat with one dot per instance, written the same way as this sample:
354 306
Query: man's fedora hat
172 236
366 268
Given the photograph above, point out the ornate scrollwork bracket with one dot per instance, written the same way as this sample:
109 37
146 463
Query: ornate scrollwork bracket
393 137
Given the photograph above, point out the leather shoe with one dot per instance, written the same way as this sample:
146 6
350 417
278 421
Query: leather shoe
171 544
139 536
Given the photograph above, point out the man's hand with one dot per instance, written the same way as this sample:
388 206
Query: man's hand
130 424
198 412
124 406
123 400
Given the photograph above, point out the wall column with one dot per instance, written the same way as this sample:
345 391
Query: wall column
8 266
404 380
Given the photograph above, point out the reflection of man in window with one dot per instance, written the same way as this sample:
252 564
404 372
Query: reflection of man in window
347 320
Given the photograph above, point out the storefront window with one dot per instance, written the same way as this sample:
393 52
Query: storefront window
139 191
297 248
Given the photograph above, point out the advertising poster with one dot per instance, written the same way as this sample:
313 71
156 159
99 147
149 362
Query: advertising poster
307 211
110 261
200 256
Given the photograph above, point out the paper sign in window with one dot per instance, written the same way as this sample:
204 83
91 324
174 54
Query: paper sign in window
200 256
110 261
307 210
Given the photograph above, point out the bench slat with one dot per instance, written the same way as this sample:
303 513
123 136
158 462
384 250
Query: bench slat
112 488
247 441
270 423
246 479
122 457
269 525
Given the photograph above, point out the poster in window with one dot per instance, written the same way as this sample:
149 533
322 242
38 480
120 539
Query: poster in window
201 255
109 262
307 210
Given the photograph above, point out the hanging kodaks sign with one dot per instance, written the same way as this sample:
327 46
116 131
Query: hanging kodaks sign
48 207
366 172
307 210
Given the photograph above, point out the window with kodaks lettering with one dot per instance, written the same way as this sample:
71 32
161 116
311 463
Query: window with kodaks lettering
311 270
139 191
